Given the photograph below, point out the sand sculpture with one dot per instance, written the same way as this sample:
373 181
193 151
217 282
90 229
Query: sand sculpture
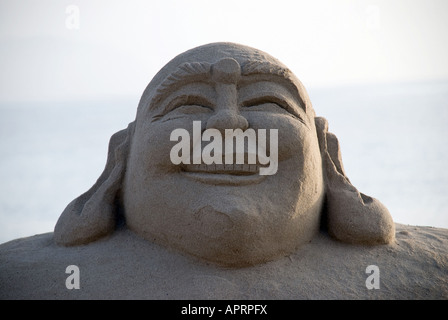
228 214
181 213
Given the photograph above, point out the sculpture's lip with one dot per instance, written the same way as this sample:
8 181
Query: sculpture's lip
224 174
234 169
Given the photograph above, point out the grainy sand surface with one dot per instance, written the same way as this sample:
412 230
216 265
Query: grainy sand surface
125 266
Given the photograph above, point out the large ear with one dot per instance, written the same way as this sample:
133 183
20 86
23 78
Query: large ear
352 216
93 214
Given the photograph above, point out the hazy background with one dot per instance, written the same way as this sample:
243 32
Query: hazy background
72 73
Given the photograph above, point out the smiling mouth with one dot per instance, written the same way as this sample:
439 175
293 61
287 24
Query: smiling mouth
224 174
233 169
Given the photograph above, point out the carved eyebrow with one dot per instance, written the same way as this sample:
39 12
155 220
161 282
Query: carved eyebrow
186 73
262 68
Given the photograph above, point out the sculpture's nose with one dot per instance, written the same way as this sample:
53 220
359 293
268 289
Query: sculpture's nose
227 119
226 73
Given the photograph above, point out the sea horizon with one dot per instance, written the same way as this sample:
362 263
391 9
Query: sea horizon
393 141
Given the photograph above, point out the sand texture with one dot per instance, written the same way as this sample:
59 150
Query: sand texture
125 266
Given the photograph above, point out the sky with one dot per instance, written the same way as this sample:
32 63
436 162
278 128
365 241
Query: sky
53 51
62 50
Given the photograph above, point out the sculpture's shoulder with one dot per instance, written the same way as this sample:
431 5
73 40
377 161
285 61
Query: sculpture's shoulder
413 266
125 266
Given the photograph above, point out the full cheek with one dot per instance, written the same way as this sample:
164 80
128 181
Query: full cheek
291 132
292 141
156 137
156 146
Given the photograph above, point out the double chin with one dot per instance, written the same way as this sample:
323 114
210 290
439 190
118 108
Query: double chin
229 229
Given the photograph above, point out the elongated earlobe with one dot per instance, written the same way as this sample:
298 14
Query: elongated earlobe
352 216
93 214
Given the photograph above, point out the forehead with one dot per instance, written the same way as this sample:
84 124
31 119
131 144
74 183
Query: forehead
200 65
227 71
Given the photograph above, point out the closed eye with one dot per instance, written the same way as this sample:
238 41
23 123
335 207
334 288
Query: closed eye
185 104
187 100
271 99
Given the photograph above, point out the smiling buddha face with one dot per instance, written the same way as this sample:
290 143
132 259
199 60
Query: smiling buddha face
226 212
